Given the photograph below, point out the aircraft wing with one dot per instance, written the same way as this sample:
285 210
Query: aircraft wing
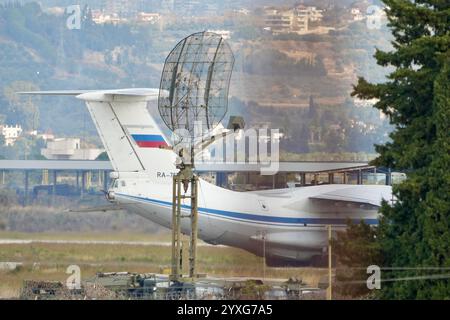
354 194
97 209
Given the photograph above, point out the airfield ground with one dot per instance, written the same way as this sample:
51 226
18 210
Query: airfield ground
48 260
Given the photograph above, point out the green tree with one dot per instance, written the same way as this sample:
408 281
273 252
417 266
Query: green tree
355 249
22 109
102 157
415 230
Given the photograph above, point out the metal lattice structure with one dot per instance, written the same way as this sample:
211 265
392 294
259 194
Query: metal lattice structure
193 95
195 83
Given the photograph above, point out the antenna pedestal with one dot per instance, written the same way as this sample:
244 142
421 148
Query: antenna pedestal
193 95
188 181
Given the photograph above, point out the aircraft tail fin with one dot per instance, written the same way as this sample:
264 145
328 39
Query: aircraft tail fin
131 137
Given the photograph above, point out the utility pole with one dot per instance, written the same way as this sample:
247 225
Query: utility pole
329 291
264 254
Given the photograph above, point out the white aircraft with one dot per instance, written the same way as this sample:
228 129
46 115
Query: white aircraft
291 222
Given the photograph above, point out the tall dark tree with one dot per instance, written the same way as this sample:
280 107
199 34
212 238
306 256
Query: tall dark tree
415 230
312 110
355 249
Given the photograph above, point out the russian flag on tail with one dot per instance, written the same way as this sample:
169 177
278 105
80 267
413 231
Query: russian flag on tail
149 140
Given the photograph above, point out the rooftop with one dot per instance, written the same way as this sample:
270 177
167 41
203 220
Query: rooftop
302 166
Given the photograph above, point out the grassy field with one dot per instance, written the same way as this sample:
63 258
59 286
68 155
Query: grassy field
93 236
48 261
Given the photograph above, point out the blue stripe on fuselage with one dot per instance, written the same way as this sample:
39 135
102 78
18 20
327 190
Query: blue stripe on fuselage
148 137
260 218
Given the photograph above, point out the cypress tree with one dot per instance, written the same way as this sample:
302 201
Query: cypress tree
414 231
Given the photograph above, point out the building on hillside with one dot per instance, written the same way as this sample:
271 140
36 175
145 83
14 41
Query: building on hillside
280 21
148 17
69 149
357 14
225 34
243 11
313 13
44 136
101 18
365 103
10 133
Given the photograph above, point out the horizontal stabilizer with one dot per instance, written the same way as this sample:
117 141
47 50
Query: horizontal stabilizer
56 92
99 95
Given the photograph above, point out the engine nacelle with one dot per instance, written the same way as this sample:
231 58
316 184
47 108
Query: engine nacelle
110 195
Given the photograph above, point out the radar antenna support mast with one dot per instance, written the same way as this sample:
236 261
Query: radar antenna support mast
183 180
196 76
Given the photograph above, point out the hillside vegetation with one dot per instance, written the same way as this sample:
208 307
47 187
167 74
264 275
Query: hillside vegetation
274 77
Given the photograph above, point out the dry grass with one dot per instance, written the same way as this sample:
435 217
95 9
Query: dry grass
47 261
164 235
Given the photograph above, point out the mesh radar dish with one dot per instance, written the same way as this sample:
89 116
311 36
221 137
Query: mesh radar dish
193 95
195 83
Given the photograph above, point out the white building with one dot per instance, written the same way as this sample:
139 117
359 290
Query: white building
311 13
148 17
101 18
69 149
363 103
357 14
225 34
44 136
286 21
315 14
294 20
243 11
11 133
